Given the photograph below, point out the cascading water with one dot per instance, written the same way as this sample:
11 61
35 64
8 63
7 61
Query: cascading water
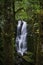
21 43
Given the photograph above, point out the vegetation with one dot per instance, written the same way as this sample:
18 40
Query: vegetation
10 12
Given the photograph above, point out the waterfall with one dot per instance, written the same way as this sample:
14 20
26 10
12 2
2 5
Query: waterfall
21 42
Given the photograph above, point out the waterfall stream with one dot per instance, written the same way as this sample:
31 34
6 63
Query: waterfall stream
21 42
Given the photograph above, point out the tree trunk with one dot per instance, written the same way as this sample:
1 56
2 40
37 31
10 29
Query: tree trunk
8 33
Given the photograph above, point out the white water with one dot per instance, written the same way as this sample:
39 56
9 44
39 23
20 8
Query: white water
21 43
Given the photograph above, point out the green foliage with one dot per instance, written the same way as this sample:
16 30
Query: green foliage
20 7
29 7
27 10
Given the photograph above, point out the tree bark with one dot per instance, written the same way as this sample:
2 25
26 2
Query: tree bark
8 32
